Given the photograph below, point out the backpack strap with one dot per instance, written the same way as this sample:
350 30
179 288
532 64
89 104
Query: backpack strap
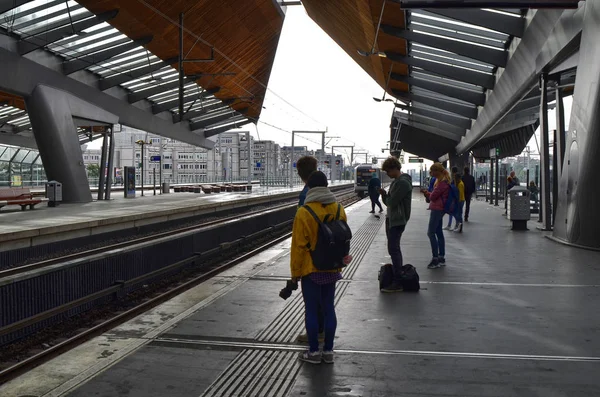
310 211
337 216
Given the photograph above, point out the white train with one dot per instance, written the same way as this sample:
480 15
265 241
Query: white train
363 175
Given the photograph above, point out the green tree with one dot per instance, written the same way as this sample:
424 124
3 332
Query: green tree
93 170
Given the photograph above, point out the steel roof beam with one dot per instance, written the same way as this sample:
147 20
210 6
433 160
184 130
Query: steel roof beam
113 81
214 106
426 75
427 128
45 17
59 46
444 89
465 111
215 121
225 128
453 26
35 42
483 54
459 74
155 90
162 107
83 62
490 20
12 117
434 54
455 33
445 118
449 128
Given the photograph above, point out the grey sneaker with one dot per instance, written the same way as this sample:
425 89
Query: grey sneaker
441 261
311 357
327 357
434 264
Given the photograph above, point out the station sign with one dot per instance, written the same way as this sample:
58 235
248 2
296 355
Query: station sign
415 160
494 153
155 159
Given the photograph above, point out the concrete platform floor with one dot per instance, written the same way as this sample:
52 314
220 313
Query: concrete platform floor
513 314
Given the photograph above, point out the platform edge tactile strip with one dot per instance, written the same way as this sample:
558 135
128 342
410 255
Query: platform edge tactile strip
257 373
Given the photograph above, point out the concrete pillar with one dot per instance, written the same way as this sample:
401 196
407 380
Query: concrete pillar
578 214
58 142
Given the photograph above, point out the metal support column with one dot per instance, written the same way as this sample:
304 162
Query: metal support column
545 209
560 138
497 181
555 175
101 177
143 145
491 181
292 161
249 157
111 160
181 75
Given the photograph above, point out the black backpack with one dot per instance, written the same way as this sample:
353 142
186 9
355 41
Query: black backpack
333 241
409 278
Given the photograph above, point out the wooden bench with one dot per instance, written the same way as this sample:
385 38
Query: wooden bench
19 196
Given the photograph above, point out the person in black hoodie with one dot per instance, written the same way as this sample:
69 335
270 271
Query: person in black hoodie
470 189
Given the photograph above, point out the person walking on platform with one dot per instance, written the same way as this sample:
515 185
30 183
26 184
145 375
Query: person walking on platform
470 189
374 186
398 202
318 286
510 183
305 166
452 182
437 200
458 214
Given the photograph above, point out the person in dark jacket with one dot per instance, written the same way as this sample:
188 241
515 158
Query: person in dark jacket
398 202
470 189
374 186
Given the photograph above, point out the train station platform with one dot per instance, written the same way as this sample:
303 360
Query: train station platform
512 314
43 225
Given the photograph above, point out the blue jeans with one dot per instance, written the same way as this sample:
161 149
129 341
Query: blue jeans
316 296
394 234
435 232
458 214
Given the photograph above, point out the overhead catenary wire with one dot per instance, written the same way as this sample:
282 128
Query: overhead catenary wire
227 58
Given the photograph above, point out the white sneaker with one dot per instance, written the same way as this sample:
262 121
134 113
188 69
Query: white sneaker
448 228
327 357
455 228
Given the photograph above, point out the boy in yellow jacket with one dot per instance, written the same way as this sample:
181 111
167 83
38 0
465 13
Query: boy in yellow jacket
318 287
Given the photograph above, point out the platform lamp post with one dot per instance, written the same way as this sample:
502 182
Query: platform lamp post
143 143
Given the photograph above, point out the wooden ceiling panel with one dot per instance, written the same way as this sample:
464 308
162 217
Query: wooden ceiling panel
12 100
352 24
247 32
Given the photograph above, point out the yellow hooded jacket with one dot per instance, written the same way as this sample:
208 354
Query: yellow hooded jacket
304 233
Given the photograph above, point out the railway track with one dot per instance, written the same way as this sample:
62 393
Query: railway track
219 264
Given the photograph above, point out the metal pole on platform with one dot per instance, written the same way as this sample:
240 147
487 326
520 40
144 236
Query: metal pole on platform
101 179
555 174
545 154
497 181
250 162
181 76
491 181
143 169
292 160
154 180
111 160
560 139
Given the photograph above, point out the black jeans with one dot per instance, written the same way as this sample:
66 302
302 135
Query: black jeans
394 234
468 205
375 200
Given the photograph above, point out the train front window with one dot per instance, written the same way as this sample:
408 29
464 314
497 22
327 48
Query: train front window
364 176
